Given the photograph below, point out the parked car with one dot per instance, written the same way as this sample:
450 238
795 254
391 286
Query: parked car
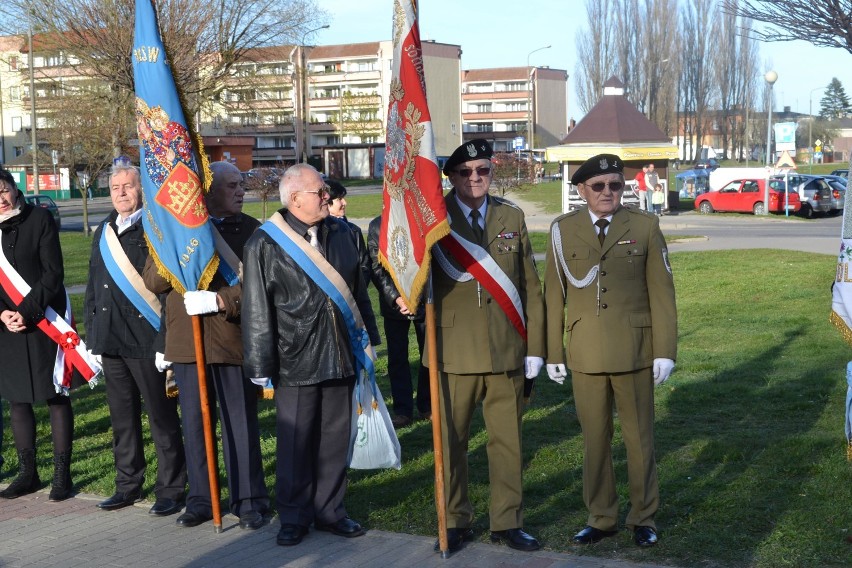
747 196
838 193
46 202
841 173
708 164
814 192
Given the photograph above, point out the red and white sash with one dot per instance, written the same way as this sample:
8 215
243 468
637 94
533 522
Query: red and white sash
71 352
478 264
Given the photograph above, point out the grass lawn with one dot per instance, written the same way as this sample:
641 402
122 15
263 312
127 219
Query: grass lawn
749 430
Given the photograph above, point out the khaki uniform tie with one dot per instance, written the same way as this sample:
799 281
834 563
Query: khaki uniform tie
602 225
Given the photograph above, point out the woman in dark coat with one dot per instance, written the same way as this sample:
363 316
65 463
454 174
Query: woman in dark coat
30 243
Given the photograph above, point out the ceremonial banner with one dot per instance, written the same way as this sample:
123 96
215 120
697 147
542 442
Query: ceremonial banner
175 216
841 301
414 216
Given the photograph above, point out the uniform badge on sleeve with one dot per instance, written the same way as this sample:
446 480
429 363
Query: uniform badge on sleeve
666 261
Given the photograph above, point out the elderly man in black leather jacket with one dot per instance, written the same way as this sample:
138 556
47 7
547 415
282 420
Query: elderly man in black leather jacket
295 334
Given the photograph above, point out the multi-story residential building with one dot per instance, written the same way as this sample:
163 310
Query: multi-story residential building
325 104
504 103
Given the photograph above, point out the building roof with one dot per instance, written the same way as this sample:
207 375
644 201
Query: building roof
614 120
345 51
510 74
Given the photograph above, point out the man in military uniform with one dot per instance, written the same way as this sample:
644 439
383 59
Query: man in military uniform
609 286
490 335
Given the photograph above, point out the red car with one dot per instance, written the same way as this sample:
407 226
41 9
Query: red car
746 196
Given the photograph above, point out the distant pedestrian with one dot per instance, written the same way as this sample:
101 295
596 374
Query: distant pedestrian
642 188
657 199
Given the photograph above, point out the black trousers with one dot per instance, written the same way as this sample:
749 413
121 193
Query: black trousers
313 430
399 370
237 398
128 383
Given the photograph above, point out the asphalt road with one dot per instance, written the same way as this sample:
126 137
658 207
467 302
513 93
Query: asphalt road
715 231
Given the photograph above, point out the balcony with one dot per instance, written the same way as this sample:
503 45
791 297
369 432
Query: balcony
496 96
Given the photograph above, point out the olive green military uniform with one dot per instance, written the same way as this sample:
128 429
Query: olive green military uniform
614 324
481 358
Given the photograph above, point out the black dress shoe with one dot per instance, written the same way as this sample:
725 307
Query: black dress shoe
119 500
252 520
591 535
645 536
163 507
455 538
344 527
517 539
189 520
291 535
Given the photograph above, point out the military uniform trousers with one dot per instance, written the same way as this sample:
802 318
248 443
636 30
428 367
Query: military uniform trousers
633 394
127 380
313 427
237 398
502 400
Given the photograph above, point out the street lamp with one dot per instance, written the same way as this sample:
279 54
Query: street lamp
303 74
530 98
770 77
810 126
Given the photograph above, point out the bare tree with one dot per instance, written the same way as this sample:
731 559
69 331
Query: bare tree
658 41
821 22
359 116
628 28
595 54
696 90
203 39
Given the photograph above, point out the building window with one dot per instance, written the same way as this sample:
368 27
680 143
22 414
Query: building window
19 151
15 93
16 125
13 63
479 107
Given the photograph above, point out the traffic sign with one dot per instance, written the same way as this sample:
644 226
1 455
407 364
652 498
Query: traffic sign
518 142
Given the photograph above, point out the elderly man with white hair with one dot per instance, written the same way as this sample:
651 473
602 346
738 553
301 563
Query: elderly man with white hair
297 333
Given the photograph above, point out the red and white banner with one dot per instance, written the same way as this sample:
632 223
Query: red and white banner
71 352
478 264
414 216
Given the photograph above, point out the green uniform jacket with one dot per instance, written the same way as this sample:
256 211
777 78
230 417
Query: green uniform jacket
635 320
474 334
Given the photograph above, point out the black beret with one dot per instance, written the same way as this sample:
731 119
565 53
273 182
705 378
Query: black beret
478 149
597 165
336 190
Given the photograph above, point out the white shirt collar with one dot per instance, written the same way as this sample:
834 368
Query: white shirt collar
122 224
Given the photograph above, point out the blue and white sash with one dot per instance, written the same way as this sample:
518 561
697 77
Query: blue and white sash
230 266
331 283
126 277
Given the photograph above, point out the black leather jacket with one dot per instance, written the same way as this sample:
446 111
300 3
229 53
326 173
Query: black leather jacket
292 331
382 280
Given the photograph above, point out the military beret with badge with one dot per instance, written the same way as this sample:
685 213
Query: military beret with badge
598 165
477 149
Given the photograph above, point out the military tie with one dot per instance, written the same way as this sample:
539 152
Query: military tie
477 228
602 224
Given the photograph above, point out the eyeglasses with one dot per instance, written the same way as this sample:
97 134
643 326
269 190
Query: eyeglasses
481 171
613 186
324 190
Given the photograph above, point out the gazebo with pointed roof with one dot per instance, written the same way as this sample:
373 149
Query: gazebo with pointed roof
615 126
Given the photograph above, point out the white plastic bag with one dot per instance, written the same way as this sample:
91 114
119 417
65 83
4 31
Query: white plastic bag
374 444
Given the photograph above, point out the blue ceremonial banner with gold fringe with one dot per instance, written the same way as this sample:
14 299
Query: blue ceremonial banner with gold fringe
175 216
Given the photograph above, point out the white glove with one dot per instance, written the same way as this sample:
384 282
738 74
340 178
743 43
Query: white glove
161 363
557 372
200 302
662 369
532 366
96 358
261 381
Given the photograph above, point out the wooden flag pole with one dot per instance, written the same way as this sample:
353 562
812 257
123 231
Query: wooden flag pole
434 392
212 465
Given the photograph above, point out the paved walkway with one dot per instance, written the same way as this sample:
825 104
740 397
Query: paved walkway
37 533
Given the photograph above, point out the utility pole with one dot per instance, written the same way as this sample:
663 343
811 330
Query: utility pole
33 138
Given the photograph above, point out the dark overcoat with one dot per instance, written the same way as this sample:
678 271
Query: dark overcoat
30 242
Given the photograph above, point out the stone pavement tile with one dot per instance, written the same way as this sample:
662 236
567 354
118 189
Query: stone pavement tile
74 533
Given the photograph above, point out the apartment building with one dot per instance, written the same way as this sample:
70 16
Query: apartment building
324 104
502 104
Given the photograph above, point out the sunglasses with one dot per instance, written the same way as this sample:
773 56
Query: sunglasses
613 186
324 190
481 171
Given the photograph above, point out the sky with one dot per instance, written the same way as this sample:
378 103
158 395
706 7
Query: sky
502 33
